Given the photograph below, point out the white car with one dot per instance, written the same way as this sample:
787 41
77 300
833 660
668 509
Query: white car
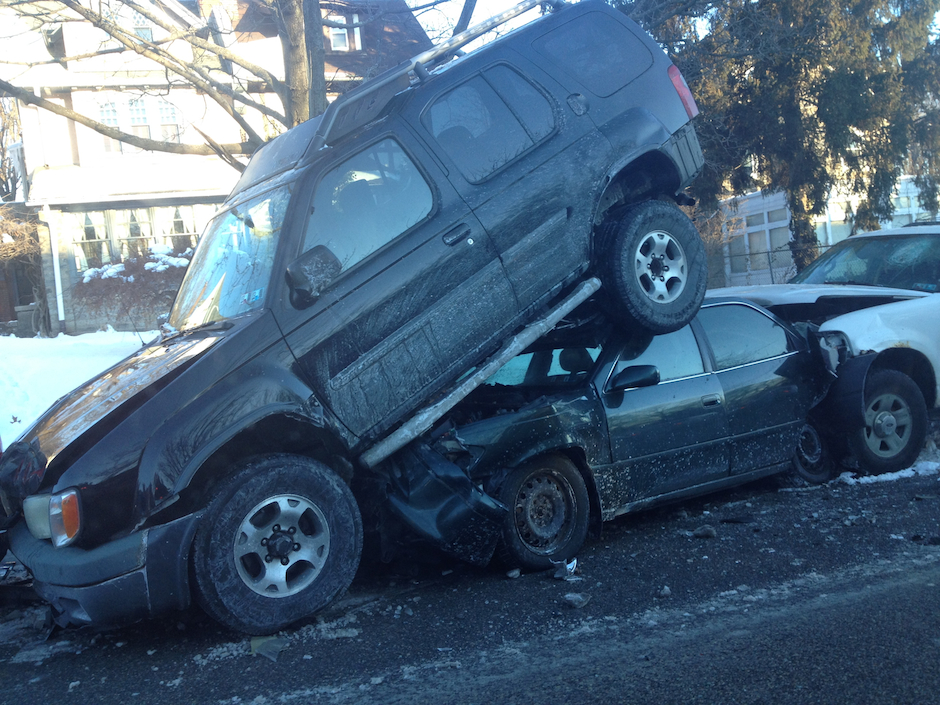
874 300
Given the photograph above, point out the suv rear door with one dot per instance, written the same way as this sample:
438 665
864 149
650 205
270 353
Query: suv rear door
420 285
525 162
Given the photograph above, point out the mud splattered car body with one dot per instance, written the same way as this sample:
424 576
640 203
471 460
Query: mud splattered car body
597 420
365 261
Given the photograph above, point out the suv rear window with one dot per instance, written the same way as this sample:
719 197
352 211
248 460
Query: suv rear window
603 56
489 120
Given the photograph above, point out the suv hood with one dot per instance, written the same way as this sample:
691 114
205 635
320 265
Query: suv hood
81 409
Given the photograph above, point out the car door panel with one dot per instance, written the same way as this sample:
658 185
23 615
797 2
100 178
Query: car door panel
381 335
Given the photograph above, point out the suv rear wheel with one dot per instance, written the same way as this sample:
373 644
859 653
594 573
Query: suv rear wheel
654 267
895 423
280 540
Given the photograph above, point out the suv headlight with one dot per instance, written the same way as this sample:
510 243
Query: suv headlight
54 516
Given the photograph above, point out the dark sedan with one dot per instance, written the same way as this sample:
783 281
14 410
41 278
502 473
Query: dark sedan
599 419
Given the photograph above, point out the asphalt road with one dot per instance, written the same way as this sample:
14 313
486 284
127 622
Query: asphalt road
799 595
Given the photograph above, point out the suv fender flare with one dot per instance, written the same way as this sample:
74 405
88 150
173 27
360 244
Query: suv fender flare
188 441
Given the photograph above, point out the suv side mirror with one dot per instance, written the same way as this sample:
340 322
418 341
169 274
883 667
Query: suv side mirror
634 377
310 274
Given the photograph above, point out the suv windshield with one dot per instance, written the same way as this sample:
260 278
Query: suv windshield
899 261
231 270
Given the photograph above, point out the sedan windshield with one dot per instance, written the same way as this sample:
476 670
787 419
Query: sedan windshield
231 270
898 261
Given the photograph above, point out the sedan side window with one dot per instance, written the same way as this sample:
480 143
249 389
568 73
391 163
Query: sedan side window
366 202
547 367
675 355
740 335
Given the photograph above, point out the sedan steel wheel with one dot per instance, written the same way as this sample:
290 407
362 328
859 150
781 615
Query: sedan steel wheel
543 512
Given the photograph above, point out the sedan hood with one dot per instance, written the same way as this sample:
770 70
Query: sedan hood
772 295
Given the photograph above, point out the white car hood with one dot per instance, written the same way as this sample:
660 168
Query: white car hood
771 295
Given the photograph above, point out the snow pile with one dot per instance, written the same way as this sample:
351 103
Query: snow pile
36 371
108 271
159 259
162 259
921 467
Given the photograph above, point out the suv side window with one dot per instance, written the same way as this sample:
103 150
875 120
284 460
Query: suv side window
489 120
740 335
602 55
366 202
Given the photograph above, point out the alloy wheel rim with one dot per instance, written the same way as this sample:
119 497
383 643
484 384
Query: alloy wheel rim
281 545
661 267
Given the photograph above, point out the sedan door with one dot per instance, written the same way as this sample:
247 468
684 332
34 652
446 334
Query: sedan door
767 379
668 436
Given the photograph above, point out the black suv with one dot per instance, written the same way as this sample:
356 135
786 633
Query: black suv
366 260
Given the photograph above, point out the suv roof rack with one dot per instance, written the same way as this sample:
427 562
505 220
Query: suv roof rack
918 223
364 103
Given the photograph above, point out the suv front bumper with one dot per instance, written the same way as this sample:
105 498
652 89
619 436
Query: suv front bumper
131 578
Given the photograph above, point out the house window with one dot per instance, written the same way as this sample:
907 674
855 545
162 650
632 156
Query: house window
110 237
134 231
142 27
108 115
169 123
90 237
137 109
339 38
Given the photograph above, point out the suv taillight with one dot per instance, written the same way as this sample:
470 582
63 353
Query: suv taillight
682 88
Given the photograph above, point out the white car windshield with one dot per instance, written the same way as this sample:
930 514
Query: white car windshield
231 269
897 261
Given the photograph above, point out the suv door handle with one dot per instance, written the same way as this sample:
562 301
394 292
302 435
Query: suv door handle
578 103
711 400
452 237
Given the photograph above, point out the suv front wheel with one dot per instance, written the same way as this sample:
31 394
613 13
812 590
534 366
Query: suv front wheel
653 266
280 540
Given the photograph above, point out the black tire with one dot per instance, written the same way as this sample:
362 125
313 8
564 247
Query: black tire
279 540
548 514
895 424
653 266
812 460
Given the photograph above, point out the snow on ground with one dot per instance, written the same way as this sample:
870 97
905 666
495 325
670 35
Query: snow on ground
34 372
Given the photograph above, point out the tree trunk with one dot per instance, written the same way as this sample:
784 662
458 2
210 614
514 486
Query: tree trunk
296 74
316 58
804 245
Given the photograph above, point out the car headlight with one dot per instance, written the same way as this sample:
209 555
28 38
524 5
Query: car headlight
835 348
54 516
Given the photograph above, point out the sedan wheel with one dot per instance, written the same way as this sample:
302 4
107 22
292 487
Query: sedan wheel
548 513
812 460
895 423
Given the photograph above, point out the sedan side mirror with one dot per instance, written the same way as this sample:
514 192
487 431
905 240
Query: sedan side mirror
634 377
310 274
